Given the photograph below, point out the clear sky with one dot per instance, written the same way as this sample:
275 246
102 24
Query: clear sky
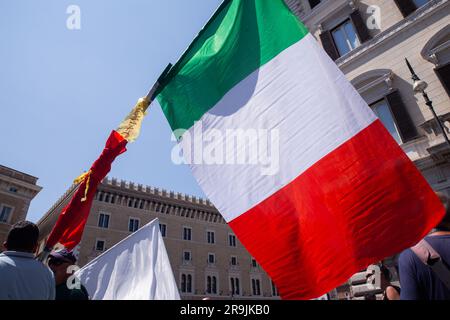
62 91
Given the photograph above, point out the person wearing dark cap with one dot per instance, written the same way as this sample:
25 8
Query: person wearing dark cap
60 262
22 277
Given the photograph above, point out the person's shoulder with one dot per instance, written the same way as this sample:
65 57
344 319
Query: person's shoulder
441 239
4 258
406 256
43 269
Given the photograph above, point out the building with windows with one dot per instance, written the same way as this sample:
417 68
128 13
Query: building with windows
206 257
17 189
369 41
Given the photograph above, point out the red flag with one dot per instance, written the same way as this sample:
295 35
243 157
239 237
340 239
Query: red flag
70 225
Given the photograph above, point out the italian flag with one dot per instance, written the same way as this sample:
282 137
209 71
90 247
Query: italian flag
343 195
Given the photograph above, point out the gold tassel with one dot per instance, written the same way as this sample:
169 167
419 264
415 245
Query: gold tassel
80 179
131 126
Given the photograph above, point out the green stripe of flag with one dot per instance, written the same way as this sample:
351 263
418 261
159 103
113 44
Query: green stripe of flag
241 37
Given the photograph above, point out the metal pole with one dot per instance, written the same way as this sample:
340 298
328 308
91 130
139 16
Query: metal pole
154 91
428 102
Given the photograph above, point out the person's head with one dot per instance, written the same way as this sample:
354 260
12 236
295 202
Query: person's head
444 225
59 261
23 237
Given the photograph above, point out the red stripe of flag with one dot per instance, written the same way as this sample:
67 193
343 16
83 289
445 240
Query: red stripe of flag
341 215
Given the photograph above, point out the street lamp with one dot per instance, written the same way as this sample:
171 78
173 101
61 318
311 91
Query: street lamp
420 86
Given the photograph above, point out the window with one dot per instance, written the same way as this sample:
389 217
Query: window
211 284
187 257
163 229
254 263
100 245
5 213
314 3
13 190
186 283
107 197
232 240
103 220
256 287
383 112
183 283
214 285
409 6
234 286
211 258
208 284
274 290
210 235
133 225
345 37
234 261
420 3
187 234
443 73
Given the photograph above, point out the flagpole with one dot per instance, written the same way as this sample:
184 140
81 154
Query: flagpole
154 91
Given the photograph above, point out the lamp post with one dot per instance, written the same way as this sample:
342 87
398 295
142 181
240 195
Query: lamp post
420 86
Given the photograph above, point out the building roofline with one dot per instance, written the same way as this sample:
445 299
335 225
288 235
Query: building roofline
19 172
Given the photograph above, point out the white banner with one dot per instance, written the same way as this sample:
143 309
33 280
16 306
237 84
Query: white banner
137 268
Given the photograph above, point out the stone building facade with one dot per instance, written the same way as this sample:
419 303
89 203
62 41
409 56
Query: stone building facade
17 189
206 257
369 41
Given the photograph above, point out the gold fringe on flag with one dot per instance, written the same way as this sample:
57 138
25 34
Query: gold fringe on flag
80 179
131 126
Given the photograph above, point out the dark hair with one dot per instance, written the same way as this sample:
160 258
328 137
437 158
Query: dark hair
386 272
23 236
444 225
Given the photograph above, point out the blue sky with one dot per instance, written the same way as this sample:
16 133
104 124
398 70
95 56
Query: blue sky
62 91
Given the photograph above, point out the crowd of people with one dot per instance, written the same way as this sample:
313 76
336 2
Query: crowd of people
424 270
23 277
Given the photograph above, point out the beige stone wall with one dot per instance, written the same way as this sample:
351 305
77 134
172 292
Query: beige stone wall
17 189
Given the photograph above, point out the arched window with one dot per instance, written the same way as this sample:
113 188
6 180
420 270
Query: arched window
254 287
208 284
214 285
183 283
437 51
377 89
189 283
